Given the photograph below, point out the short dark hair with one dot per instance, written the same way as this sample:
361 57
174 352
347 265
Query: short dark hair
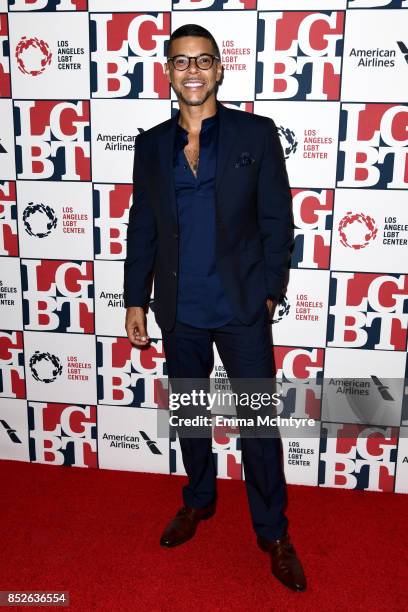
193 29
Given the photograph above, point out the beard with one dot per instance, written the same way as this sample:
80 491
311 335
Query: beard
195 102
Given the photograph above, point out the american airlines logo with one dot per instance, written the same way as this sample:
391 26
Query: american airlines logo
132 442
374 58
150 443
382 389
404 50
10 432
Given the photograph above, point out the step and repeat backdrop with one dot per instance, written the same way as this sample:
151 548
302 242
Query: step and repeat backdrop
78 81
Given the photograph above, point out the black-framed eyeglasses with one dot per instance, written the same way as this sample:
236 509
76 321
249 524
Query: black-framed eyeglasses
204 61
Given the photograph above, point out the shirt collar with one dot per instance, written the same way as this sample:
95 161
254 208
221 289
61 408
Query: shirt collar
205 124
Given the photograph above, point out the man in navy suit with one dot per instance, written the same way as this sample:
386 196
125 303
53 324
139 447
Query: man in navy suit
211 222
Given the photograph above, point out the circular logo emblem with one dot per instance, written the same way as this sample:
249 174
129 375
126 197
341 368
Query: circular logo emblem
281 310
33 55
357 230
45 367
288 140
39 220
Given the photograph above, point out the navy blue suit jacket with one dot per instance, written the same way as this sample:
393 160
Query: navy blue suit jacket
254 220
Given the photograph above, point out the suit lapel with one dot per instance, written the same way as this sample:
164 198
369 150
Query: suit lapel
166 148
225 142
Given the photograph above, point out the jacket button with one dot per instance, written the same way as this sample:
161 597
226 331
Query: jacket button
174 273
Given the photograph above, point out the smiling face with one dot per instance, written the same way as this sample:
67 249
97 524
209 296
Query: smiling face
193 86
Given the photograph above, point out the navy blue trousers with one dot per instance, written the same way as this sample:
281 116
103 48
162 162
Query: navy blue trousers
245 351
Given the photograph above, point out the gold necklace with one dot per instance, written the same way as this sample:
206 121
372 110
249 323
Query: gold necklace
193 162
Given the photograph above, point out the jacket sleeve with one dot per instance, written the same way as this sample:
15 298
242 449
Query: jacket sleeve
275 215
141 241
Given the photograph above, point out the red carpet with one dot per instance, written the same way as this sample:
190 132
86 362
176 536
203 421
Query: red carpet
95 533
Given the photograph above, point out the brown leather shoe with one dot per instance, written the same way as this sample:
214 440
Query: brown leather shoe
184 525
285 564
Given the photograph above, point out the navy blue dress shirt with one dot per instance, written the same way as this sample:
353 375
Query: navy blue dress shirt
201 301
